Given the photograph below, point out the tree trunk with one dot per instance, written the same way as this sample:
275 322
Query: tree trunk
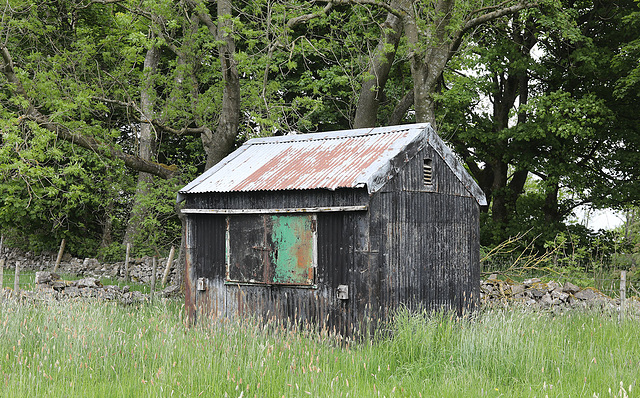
227 129
147 144
550 206
218 144
499 203
107 226
381 61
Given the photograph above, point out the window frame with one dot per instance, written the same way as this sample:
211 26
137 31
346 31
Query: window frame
268 233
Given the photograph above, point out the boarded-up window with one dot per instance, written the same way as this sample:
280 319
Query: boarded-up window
271 249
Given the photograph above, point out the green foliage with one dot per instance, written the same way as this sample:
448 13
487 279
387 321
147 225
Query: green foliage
52 192
569 129
160 229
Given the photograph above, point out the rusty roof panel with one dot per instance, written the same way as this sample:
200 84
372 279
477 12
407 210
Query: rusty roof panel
308 161
341 159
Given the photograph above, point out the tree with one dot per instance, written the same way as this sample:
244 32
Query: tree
562 130
434 33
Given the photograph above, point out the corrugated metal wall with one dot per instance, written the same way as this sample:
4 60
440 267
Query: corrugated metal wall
337 247
429 250
429 238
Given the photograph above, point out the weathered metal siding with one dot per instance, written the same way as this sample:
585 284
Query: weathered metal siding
428 237
343 258
429 250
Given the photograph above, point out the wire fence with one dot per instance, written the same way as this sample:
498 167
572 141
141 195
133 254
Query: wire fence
26 278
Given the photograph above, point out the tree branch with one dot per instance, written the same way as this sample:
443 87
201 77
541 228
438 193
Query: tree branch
183 131
456 38
472 23
10 74
205 19
130 104
487 8
398 13
307 17
134 162
103 2
90 143
401 109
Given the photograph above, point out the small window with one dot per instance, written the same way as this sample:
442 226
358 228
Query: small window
427 175
271 249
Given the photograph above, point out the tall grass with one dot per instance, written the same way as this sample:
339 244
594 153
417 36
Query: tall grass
89 348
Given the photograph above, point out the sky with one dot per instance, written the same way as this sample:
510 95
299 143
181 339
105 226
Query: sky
599 219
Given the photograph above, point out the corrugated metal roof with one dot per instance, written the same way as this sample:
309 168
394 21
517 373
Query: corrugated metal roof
340 159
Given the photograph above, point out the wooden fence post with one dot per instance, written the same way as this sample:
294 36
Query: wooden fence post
623 293
60 253
167 269
16 280
153 277
126 262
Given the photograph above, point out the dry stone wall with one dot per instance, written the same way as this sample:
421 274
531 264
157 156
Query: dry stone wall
50 285
140 269
494 291
547 295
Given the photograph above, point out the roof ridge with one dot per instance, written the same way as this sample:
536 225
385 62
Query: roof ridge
338 136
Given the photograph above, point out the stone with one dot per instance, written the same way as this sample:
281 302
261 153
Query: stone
517 289
546 300
531 281
170 291
44 277
551 286
58 285
570 288
586 294
88 283
487 289
536 293
562 296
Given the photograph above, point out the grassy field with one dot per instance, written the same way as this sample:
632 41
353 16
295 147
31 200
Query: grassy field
78 349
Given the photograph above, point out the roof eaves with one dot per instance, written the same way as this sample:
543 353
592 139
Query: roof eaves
202 177
381 172
456 167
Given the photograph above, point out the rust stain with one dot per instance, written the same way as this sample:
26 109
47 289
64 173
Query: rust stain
326 164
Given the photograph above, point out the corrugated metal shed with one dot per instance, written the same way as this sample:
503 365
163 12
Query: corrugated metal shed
343 159
338 229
